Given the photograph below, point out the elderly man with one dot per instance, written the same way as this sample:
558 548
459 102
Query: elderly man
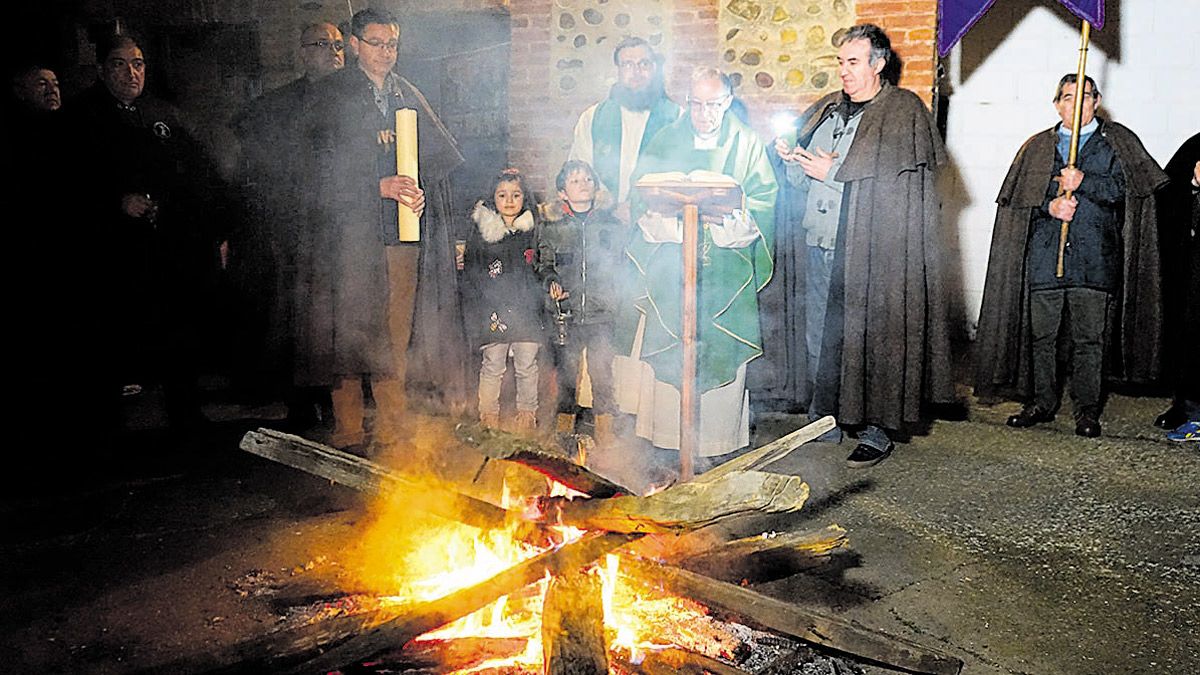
877 340
736 264
611 134
158 206
356 282
265 254
1110 280
36 87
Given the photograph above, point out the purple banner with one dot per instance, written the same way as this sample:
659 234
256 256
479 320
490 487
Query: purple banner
955 17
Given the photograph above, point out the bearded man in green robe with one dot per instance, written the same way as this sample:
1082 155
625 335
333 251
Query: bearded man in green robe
736 263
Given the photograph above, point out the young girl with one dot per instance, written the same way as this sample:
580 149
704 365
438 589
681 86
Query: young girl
502 299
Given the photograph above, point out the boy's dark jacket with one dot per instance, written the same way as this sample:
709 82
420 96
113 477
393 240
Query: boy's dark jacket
585 254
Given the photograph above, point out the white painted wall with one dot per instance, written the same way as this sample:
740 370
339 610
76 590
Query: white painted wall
1146 61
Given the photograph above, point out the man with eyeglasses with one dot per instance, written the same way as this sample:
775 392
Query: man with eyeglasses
737 262
356 281
157 207
865 253
265 257
611 134
1105 306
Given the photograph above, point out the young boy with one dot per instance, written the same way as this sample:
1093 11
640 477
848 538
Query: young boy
580 251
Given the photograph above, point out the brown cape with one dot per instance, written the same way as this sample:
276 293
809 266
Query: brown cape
1134 338
886 346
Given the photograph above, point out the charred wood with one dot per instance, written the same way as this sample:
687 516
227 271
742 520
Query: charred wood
759 611
573 641
677 661
550 461
367 476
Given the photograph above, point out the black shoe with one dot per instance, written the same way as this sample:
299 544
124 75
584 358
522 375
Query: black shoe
1088 427
1028 417
1171 418
865 455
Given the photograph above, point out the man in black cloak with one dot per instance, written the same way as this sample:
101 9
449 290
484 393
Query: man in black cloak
357 283
863 172
264 256
1107 303
1180 226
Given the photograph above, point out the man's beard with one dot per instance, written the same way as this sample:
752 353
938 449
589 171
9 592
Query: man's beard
638 100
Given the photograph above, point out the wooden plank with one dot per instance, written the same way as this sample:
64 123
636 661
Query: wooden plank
573 640
760 611
685 506
771 452
764 557
367 476
421 619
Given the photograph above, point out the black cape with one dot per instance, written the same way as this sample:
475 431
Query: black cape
1003 348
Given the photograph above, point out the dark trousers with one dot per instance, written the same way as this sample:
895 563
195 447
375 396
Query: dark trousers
598 340
1083 313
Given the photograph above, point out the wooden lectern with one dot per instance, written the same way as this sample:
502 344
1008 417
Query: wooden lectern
700 193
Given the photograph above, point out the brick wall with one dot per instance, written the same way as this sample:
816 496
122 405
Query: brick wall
541 123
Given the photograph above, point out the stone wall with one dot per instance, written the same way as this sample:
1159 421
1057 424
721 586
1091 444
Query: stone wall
542 115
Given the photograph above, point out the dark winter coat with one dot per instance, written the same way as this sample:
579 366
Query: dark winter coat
585 254
1092 258
886 346
342 275
1003 346
1179 222
153 274
502 297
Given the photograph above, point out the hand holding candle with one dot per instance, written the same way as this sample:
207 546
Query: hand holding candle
403 189
404 186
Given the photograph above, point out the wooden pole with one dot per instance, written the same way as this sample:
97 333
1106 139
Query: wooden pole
1076 115
689 397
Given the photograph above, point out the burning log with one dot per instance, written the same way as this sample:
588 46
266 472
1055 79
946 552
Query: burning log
457 654
686 506
767 613
367 476
676 661
763 556
546 460
573 625
419 620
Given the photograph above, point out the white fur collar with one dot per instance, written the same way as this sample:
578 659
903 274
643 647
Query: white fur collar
491 224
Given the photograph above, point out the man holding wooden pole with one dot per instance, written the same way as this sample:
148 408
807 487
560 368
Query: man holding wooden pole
1100 279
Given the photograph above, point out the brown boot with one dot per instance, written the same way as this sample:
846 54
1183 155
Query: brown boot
491 421
564 423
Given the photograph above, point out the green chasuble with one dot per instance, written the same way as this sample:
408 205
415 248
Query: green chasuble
730 278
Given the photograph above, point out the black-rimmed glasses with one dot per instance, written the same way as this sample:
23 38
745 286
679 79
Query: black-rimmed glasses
390 45
337 45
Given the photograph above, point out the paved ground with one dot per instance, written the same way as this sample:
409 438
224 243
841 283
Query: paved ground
1019 551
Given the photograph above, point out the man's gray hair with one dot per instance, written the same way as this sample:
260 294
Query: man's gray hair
710 73
1072 78
881 44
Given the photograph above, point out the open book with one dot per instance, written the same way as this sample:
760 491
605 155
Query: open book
715 193
700 178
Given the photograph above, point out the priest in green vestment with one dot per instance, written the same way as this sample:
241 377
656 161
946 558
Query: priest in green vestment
736 260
